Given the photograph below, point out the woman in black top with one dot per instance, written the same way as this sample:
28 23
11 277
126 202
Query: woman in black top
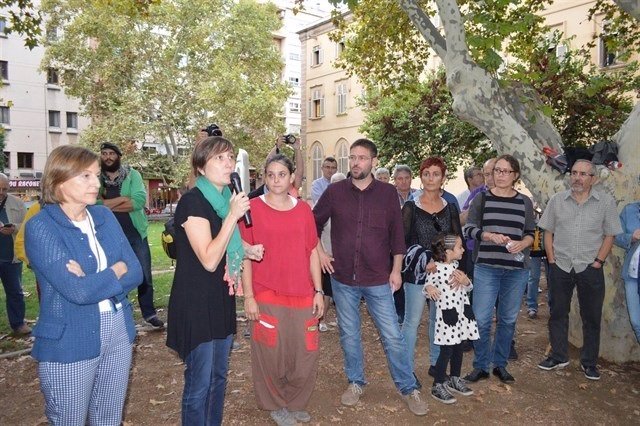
424 217
202 310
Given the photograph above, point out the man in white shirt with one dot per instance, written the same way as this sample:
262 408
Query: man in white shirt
329 168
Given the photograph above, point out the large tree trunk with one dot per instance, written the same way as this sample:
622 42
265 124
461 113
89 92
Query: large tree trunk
501 115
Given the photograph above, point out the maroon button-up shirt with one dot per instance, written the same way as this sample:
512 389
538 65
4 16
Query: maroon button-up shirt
366 230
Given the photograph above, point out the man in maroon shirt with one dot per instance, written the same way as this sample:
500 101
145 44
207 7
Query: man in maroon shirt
366 230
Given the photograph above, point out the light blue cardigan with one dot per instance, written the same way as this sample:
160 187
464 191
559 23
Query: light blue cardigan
68 328
630 220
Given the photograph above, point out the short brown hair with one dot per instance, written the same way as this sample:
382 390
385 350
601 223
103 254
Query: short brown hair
203 151
64 162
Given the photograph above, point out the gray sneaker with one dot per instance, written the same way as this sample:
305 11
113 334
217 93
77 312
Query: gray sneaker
283 417
301 416
351 396
456 384
416 405
439 391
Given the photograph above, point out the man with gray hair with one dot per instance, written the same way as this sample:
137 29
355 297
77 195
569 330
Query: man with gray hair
402 181
12 211
474 179
579 228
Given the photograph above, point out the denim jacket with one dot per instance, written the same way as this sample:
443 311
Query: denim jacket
630 220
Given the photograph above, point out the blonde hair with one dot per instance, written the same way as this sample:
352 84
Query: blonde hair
64 162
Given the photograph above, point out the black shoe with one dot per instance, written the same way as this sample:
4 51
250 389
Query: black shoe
432 371
513 355
591 373
467 346
551 364
502 374
155 322
475 375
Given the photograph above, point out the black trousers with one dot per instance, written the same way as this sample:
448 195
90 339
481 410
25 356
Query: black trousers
590 285
448 353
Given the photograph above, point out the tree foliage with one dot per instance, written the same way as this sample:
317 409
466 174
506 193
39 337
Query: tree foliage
384 49
24 19
585 103
418 122
161 72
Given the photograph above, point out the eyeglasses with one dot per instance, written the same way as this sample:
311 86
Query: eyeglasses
502 172
358 158
575 173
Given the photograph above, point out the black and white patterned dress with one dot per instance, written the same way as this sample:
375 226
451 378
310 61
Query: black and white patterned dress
455 321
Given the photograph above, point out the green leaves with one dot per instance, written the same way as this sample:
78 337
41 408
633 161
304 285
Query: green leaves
161 70
418 122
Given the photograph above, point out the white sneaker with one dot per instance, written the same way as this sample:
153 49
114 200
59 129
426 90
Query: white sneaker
323 327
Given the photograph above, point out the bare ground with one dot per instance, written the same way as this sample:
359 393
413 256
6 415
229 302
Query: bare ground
562 397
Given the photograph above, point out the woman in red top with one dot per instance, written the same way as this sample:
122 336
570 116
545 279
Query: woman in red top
284 297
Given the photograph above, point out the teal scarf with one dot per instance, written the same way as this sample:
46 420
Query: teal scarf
220 203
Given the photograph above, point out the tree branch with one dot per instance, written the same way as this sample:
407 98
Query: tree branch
632 7
423 23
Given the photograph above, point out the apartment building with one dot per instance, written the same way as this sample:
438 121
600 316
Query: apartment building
36 114
331 116
330 111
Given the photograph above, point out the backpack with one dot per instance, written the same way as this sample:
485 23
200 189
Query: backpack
168 239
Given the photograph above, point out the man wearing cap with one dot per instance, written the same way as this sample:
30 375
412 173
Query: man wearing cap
124 193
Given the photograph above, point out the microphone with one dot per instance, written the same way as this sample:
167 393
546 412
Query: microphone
237 188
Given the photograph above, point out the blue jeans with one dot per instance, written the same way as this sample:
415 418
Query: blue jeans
205 381
145 289
632 293
379 300
535 264
11 276
489 284
413 309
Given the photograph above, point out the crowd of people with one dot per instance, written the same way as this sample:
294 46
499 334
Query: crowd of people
361 240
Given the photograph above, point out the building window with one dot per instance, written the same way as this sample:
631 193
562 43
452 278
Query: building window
5 117
608 57
294 129
3 27
7 160
316 104
342 156
72 120
52 76
4 70
294 81
317 156
150 149
339 47
52 34
341 101
25 160
294 106
54 118
316 56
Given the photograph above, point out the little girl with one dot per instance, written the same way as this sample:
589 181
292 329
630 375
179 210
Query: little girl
455 321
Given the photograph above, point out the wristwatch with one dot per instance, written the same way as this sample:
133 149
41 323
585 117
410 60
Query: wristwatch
320 291
601 262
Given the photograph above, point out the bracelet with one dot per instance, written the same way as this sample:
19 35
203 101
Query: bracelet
320 292
599 261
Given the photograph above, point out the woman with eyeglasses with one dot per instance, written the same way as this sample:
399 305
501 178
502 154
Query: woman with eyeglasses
424 218
85 267
501 221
